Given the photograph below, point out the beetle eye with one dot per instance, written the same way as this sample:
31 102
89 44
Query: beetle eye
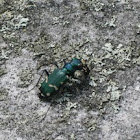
79 66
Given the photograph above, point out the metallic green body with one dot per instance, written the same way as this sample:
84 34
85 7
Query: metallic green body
54 81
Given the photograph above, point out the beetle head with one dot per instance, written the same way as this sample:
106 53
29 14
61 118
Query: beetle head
76 63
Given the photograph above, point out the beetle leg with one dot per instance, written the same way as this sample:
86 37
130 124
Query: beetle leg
56 65
74 80
47 73
38 80
86 70
41 77
64 61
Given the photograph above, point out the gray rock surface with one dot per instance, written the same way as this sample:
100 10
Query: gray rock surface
36 34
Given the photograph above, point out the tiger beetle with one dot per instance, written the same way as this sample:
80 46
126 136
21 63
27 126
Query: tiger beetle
58 77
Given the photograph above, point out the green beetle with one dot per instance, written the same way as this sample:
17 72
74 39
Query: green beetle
58 77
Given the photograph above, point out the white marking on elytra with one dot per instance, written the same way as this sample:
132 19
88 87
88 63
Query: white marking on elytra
46 79
42 94
61 83
48 94
55 87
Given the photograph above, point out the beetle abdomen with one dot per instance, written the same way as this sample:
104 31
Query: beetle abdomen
45 89
55 80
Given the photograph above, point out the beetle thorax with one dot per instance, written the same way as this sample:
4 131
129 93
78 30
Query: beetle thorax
70 68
